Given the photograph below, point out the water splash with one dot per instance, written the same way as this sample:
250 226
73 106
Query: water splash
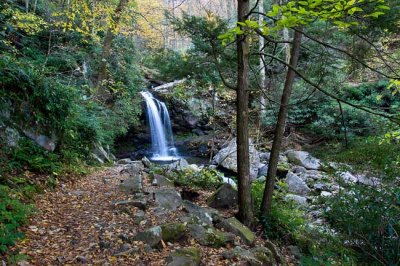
162 139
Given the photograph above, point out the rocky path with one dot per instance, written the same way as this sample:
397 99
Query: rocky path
117 217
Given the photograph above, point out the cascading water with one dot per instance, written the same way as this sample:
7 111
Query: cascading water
162 139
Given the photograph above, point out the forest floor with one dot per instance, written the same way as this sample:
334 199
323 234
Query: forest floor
78 223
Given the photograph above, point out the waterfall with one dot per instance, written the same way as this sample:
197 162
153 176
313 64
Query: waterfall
162 139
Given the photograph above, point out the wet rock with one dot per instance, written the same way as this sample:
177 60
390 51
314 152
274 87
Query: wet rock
227 158
224 197
304 159
296 185
132 184
151 236
167 198
234 226
172 231
190 256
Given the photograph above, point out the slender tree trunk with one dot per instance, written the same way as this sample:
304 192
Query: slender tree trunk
242 118
262 110
101 92
280 127
27 6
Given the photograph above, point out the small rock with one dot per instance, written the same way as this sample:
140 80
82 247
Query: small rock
320 186
297 169
257 256
224 197
208 236
298 199
190 256
326 194
263 171
167 198
132 184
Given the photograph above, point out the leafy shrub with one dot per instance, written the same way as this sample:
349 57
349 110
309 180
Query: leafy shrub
369 220
204 179
13 214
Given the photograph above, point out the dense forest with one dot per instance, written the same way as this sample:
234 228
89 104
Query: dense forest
184 132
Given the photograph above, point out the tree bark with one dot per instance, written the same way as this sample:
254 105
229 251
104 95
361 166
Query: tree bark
101 92
244 197
280 126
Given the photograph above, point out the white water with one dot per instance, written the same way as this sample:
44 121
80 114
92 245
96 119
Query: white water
162 139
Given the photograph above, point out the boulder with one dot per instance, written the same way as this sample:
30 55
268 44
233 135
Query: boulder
257 256
132 184
296 198
205 215
172 231
190 256
347 177
264 156
139 203
146 162
151 236
179 165
320 186
234 226
227 158
161 181
167 198
304 159
224 197
208 236
296 185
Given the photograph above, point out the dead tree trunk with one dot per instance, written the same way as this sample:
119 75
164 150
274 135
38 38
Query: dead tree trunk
280 126
242 118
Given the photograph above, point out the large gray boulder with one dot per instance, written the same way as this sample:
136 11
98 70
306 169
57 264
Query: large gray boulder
167 198
190 256
132 184
224 197
209 236
205 215
172 231
296 184
304 159
227 158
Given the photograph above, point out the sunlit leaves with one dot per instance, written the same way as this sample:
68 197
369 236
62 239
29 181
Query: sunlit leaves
27 22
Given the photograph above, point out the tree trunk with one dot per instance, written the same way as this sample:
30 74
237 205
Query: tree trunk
261 112
101 92
242 117
280 127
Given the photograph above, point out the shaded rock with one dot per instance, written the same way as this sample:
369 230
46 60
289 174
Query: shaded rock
224 197
167 198
124 161
297 169
205 215
172 231
296 185
257 256
234 226
139 203
227 158
210 236
298 199
139 216
282 170
161 181
263 171
295 250
304 159
132 184
264 156
190 256
9 136
320 186
151 236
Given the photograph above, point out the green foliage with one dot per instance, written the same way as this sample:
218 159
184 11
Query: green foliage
203 179
366 154
288 224
13 214
369 220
